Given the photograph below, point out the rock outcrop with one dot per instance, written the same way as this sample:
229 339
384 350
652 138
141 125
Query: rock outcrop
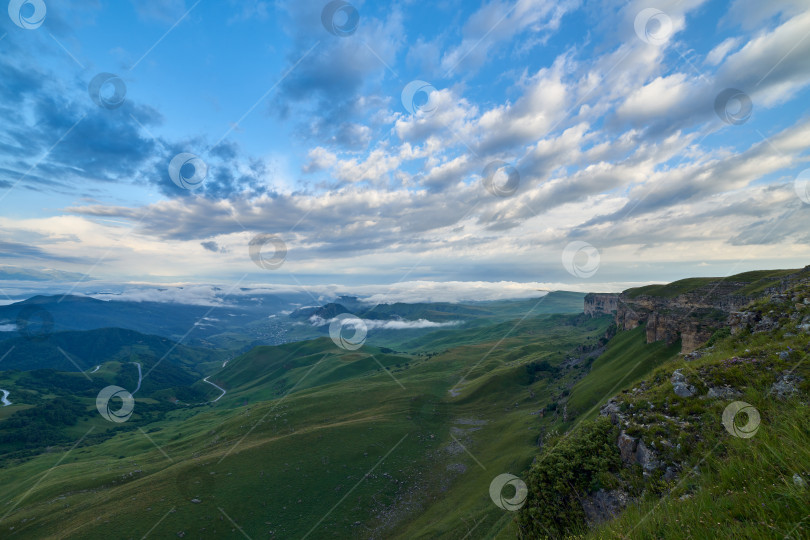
681 386
693 316
601 304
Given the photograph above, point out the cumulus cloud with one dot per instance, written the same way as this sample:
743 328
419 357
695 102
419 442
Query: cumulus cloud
616 141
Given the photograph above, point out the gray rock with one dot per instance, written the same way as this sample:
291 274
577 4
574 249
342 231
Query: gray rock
633 450
723 392
786 385
680 385
612 411
196 501
670 473
604 505
627 448
766 324
798 481
683 390
646 457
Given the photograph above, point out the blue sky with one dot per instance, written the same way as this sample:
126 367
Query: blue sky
608 112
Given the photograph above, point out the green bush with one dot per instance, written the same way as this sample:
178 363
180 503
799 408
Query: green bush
579 464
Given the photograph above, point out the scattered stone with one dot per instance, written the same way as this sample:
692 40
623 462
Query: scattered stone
695 355
723 392
196 501
786 385
681 386
798 481
181 534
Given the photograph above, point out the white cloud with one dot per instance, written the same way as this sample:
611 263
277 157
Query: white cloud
375 324
717 54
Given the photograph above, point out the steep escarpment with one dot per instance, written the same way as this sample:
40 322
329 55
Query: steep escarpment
691 310
600 304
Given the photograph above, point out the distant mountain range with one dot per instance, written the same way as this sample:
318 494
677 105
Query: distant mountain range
249 321
82 351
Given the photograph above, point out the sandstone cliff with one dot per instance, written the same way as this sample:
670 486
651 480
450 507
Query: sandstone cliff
600 304
689 310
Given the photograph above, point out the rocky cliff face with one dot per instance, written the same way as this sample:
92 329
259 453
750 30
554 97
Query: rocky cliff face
692 316
601 304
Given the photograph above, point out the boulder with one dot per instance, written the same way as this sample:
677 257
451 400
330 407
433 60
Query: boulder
627 448
646 457
680 385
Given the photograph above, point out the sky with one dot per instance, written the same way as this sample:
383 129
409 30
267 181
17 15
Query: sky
517 144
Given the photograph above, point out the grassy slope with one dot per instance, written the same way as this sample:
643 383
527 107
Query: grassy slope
312 449
745 484
303 453
627 359
757 281
93 347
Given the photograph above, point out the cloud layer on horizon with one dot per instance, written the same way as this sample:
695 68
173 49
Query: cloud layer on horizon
617 143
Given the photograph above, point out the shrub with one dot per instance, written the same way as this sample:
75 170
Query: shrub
579 464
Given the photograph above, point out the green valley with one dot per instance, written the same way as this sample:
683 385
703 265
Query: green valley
309 439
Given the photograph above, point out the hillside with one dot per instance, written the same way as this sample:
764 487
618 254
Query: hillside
83 351
613 435
714 438
306 422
